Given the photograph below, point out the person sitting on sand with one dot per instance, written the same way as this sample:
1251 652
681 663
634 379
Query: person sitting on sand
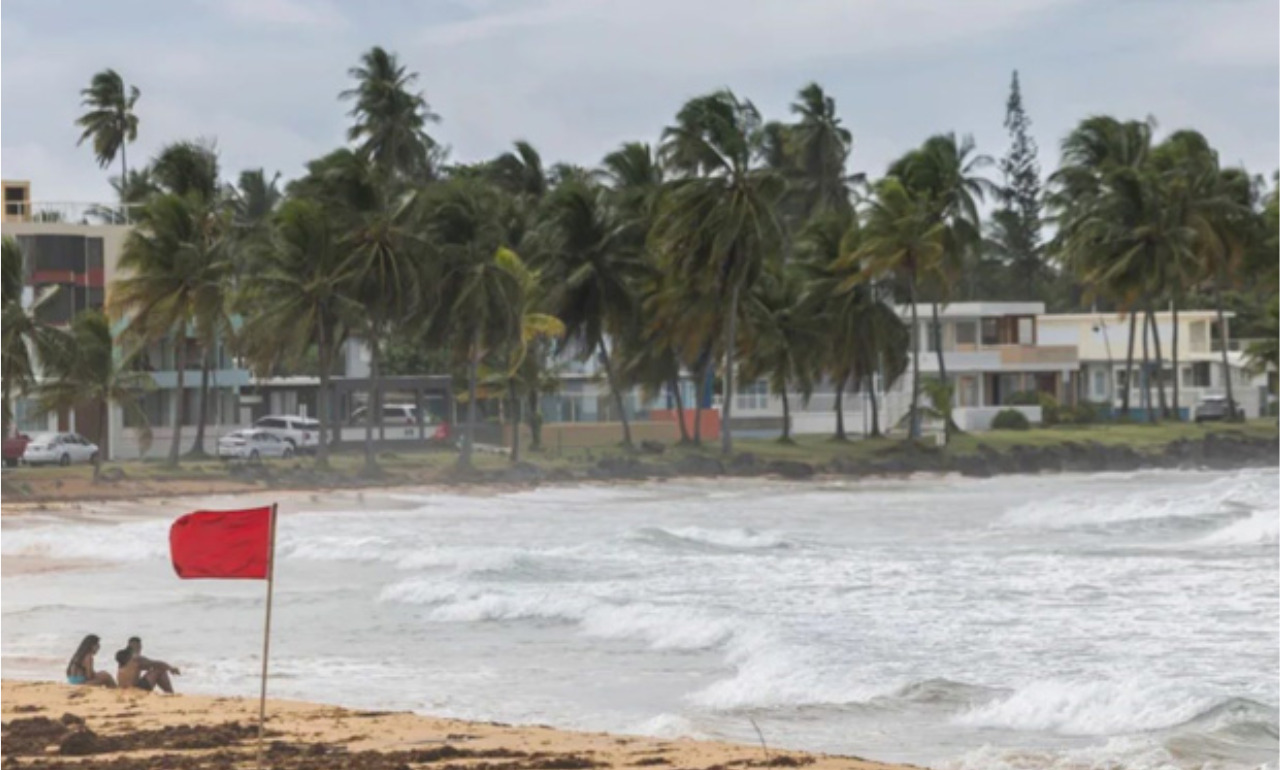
80 668
143 673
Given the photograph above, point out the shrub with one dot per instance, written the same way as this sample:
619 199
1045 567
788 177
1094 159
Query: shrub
1023 398
1050 412
1010 419
1083 413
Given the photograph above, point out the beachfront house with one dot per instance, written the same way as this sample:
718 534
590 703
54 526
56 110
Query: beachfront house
1102 341
993 354
75 248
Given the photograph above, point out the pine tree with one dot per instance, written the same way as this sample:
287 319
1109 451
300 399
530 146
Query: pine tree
1019 217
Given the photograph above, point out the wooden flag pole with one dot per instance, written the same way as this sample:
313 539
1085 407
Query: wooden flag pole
266 634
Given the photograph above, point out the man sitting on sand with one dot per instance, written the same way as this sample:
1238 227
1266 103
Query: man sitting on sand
143 673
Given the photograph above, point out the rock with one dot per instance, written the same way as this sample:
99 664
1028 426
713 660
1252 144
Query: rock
791 469
651 447
521 473
743 464
698 465
80 743
620 468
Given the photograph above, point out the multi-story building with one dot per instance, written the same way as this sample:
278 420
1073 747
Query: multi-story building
71 254
1102 340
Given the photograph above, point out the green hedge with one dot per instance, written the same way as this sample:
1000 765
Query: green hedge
1010 419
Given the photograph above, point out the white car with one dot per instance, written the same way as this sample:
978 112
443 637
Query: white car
302 433
392 414
253 445
59 449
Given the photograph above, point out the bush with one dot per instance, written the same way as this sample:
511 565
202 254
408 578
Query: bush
1081 414
1023 398
1050 412
1010 419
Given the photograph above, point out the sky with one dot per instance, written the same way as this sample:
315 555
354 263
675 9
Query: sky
579 77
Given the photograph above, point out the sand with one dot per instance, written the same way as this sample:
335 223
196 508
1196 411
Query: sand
53 725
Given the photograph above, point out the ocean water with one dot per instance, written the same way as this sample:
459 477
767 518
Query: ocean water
1073 621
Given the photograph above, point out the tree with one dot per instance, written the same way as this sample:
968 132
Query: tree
902 239
390 118
173 269
780 340
820 146
299 300
717 221
27 341
592 268
92 371
1020 198
109 119
481 313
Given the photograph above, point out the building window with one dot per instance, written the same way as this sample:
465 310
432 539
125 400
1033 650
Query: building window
1100 383
754 395
1122 379
966 333
154 406
1026 331
990 331
1196 375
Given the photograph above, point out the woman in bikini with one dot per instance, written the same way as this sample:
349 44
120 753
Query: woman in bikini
80 668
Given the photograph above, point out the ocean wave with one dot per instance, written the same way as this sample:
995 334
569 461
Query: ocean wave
1102 707
1260 528
703 538
661 627
130 542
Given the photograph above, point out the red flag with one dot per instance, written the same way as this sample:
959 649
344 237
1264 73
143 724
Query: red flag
222 544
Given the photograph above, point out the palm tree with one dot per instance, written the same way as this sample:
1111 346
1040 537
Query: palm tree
523 372
93 371
780 340
464 222
299 300
717 221
174 267
109 119
1098 154
593 266
390 119
902 238
820 146
27 341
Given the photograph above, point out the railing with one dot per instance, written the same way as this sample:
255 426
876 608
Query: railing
1233 344
1038 354
72 212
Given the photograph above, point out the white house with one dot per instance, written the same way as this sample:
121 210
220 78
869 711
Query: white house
1102 340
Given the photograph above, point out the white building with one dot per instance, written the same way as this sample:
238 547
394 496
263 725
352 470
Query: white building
1102 340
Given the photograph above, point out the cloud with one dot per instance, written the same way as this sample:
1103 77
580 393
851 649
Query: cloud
312 13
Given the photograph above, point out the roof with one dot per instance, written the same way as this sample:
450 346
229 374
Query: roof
975 309
1120 315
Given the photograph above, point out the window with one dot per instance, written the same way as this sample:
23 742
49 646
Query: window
990 331
753 395
1026 331
1099 383
966 333
273 422
1196 375
1122 379
153 406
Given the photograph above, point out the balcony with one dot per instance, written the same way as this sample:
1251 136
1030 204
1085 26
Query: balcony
1038 355
71 212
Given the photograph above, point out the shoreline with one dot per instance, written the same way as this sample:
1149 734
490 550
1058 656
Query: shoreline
974 455
53 725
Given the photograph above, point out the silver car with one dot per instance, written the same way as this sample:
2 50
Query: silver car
253 445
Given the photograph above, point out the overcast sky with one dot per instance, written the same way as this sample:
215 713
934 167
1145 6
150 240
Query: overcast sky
578 77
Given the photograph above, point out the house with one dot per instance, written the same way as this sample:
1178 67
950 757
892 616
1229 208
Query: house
1102 340
76 247
993 353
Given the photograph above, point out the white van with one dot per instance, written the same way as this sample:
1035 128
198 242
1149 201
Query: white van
302 433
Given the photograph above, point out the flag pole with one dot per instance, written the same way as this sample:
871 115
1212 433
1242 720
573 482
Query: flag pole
266 633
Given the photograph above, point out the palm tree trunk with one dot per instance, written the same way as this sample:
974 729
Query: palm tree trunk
731 341
1128 370
1146 373
175 448
1155 337
786 417
840 432
124 182
535 428
375 368
947 422
473 376
197 446
1173 354
515 421
373 409
701 377
322 402
913 431
870 381
675 389
617 395
104 414
1222 337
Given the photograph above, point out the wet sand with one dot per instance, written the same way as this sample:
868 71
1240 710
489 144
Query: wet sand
53 725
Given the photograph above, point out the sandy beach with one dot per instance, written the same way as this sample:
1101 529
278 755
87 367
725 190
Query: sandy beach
52 725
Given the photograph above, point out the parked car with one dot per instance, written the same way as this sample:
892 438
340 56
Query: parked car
252 444
302 433
59 449
392 414
14 446
1214 408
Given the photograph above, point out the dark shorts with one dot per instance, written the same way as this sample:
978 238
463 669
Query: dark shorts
143 683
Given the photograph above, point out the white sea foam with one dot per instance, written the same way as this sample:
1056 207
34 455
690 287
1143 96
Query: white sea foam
1261 528
1102 707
